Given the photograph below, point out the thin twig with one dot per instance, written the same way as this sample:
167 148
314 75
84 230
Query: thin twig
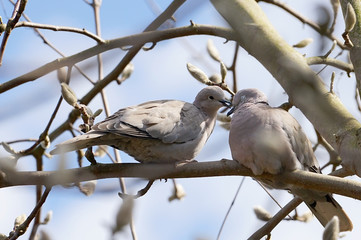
61 28
234 69
18 10
96 4
47 42
270 195
230 207
304 20
142 38
140 193
46 130
22 228
331 62
276 219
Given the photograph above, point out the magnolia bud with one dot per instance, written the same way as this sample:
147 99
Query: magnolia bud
61 74
45 144
8 148
332 229
88 188
128 70
97 113
213 51
124 214
216 78
178 193
261 213
198 74
68 94
223 71
303 43
350 18
19 220
48 217
100 151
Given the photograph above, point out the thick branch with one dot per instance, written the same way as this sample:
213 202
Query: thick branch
224 167
305 89
142 38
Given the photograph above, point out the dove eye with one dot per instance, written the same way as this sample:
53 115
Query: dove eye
211 97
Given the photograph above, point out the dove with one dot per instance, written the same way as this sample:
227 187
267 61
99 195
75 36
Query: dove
160 131
270 140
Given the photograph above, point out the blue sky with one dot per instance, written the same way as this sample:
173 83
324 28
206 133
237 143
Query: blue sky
159 74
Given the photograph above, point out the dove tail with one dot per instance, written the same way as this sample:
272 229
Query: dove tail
78 142
325 210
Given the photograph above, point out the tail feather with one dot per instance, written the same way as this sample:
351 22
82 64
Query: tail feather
78 142
325 210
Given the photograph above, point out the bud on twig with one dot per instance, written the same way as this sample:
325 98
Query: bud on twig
350 21
68 94
88 188
2 28
128 70
8 148
216 78
178 193
100 151
262 213
350 18
213 51
61 74
97 113
19 220
306 217
223 71
303 43
332 229
124 214
335 5
48 217
45 144
198 74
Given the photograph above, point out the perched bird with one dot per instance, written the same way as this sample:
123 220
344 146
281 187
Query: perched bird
270 140
157 131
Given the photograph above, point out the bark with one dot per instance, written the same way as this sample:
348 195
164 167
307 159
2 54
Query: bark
305 89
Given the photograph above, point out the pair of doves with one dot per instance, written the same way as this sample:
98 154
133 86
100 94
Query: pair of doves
262 138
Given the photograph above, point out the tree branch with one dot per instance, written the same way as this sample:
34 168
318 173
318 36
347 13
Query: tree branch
272 223
323 109
332 62
60 28
142 38
23 227
315 26
18 10
223 167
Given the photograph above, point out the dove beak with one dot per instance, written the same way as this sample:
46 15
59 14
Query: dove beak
226 103
231 111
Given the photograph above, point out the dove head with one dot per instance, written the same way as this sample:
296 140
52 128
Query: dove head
250 95
210 100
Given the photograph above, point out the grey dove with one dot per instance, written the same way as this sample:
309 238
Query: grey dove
156 131
270 140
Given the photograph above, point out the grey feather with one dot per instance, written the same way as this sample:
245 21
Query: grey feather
270 140
156 131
